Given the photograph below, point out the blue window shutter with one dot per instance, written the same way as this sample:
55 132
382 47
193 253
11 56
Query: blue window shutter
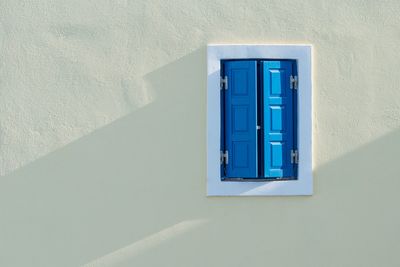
278 118
241 118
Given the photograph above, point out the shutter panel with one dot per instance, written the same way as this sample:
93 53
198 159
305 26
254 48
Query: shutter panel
241 119
278 118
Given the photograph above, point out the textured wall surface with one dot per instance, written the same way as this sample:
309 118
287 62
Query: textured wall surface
102 135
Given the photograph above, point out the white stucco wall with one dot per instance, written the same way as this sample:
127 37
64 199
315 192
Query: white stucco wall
103 141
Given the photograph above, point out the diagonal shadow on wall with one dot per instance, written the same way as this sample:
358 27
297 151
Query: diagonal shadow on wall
147 171
135 171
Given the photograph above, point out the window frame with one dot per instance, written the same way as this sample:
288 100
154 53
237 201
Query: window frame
303 185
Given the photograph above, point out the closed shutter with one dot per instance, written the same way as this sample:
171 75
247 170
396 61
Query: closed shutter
278 118
240 118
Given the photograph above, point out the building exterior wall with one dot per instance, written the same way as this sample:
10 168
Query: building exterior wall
103 140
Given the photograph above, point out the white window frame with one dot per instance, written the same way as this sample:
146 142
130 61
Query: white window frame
304 183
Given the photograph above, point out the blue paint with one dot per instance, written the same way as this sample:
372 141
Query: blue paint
258 93
240 119
278 119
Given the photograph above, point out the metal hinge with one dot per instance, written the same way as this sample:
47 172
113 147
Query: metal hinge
224 157
224 83
294 82
294 156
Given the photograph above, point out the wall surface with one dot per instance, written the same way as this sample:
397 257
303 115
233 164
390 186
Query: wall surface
103 141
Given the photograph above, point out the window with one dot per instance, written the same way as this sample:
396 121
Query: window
258 119
259 124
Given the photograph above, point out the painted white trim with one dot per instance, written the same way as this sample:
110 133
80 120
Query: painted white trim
304 184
